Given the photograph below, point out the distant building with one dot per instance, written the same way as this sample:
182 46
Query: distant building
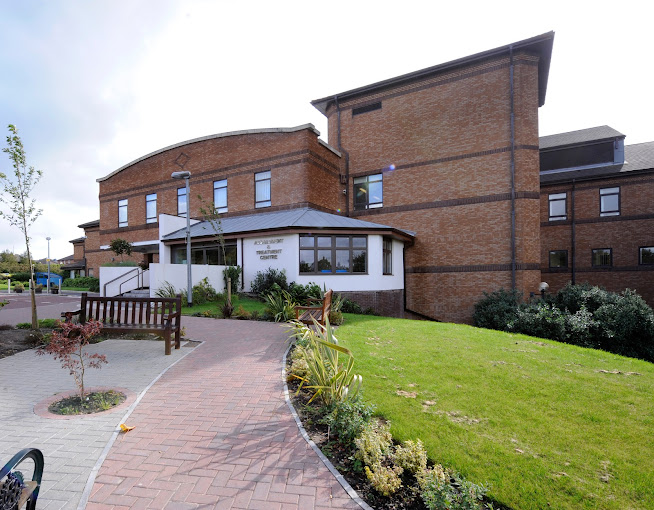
432 188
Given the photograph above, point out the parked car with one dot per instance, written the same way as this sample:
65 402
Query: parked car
42 278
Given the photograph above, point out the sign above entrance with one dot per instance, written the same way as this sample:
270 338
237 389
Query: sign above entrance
268 253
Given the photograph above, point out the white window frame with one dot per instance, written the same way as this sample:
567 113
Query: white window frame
218 186
122 206
609 192
261 199
149 200
556 198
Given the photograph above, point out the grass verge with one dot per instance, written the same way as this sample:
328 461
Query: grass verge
249 305
547 425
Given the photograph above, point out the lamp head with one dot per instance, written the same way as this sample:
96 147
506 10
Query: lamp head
184 174
543 287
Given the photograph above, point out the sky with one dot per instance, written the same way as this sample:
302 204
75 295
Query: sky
92 86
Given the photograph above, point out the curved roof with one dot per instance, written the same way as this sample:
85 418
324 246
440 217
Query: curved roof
594 134
309 126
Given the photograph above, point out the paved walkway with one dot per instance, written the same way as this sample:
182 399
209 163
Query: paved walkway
48 306
213 432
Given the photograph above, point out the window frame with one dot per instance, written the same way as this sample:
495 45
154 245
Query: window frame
608 192
204 247
124 203
592 257
262 177
558 267
217 185
149 200
640 255
557 197
387 256
179 195
333 248
363 182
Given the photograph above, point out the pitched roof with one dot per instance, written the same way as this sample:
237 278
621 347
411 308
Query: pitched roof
540 45
303 218
594 134
638 157
94 223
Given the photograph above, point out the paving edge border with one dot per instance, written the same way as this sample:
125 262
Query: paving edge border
96 469
341 479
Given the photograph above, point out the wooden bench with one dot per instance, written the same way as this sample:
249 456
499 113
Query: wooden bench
307 314
133 315
18 493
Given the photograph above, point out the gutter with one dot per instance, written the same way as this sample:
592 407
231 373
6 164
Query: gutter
347 156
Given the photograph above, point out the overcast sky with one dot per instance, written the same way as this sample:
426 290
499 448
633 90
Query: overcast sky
92 86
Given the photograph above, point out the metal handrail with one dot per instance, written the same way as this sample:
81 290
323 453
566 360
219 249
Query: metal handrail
120 287
104 288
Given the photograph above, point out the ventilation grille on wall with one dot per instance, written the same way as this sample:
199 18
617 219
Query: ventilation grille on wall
367 108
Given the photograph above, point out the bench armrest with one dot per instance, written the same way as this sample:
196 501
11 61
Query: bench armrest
69 315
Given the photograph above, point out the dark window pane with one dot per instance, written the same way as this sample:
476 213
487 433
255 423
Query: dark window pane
324 242
358 261
342 261
324 261
342 242
359 242
307 261
230 254
307 242
559 258
602 257
213 256
647 255
179 256
197 257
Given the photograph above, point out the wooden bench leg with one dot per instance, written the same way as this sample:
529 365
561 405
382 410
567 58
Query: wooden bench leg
167 341
177 339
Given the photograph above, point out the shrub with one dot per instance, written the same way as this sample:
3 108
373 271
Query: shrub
335 318
83 282
497 309
441 493
233 272
539 319
374 443
302 293
384 479
203 292
121 263
411 456
347 419
280 305
19 286
349 306
227 309
23 276
242 313
264 280
166 290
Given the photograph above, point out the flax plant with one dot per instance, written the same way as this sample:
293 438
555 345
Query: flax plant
330 366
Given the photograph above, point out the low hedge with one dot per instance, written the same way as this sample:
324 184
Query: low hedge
83 282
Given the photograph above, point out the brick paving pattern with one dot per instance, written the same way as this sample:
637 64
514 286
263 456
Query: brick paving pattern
71 446
215 432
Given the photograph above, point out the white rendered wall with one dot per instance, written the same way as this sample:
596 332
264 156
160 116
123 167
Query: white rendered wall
119 279
167 225
175 274
282 252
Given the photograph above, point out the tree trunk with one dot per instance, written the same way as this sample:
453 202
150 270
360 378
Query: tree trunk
35 320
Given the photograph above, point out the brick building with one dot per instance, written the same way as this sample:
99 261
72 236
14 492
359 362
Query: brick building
428 192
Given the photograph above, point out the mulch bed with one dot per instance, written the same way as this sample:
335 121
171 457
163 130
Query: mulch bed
343 459
13 341
95 402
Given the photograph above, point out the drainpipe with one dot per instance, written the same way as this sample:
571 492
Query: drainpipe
513 243
572 230
347 156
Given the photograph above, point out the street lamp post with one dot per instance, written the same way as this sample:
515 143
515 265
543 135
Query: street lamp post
186 175
48 239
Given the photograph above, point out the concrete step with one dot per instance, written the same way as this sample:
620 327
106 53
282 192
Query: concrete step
137 293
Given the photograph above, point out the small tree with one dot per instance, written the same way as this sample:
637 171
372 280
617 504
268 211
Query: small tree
120 246
16 195
68 345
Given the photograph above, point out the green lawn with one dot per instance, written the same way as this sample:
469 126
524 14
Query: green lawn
249 304
547 425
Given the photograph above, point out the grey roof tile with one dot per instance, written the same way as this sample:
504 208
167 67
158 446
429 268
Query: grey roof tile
294 218
579 136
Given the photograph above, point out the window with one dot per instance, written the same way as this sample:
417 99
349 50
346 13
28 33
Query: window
211 254
151 208
333 254
182 206
262 189
388 255
122 213
646 255
559 258
220 196
602 257
610 202
367 108
558 209
368 192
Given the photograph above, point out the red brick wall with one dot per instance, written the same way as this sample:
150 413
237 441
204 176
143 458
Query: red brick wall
624 234
449 139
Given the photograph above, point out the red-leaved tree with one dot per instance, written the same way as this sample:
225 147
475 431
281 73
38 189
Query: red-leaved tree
68 345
